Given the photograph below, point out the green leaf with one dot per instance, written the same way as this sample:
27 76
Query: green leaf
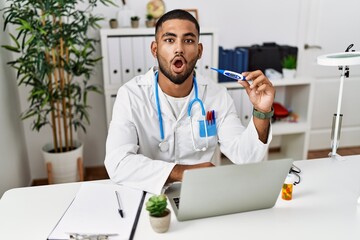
11 48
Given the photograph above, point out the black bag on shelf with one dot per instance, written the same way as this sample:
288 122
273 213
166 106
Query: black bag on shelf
269 55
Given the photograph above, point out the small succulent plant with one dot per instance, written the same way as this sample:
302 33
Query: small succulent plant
149 16
156 205
289 62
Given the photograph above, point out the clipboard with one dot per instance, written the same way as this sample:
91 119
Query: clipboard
94 212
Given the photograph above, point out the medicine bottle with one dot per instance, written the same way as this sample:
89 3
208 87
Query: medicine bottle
287 189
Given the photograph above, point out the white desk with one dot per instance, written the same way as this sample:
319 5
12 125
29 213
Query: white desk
324 206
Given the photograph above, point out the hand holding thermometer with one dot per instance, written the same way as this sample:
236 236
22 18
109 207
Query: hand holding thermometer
230 74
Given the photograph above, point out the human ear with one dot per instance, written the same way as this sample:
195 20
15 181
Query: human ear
154 49
200 50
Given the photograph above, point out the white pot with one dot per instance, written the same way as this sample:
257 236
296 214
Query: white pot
124 17
64 165
161 224
289 73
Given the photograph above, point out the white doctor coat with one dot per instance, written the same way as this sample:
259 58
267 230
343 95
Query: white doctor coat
133 156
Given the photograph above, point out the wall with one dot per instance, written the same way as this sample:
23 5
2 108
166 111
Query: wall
237 22
332 25
14 170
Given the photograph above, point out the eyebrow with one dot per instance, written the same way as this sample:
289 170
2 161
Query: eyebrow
167 34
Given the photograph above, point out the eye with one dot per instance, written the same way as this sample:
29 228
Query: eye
169 40
189 40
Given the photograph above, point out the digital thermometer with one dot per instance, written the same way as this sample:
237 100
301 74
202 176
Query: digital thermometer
230 74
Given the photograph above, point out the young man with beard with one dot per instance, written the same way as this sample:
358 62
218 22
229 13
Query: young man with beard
154 136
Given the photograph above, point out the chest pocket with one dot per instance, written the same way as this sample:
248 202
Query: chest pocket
197 127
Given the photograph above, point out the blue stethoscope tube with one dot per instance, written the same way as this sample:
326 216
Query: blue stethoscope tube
164 145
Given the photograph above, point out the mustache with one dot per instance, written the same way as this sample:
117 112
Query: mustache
177 56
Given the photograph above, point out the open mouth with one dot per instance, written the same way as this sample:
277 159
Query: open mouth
178 64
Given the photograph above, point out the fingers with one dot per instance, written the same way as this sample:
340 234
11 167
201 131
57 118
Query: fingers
259 81
261 92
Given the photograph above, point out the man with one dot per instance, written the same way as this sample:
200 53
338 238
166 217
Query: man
154 135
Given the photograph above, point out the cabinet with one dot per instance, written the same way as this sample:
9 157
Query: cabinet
290 139
126 53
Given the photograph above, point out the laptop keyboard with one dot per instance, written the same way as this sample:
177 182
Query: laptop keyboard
176 201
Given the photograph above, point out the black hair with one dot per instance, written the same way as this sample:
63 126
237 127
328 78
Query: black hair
176 14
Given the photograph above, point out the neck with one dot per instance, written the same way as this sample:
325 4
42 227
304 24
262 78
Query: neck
175 90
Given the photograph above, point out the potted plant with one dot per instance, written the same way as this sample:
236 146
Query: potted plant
150 20
159 215
134 21
289 66
54 60
113 23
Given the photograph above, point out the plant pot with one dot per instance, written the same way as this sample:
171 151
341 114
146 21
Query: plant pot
63 167
113 23
289 73
134 23
161 224
150 23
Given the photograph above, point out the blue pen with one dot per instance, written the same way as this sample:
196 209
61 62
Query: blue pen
213 117
230 74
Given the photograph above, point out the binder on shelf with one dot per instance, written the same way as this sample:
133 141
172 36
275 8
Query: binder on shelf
245 58
234 60
238 63
225 62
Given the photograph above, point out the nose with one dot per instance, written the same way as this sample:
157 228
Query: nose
179 48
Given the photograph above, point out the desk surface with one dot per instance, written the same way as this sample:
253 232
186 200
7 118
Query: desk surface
324 206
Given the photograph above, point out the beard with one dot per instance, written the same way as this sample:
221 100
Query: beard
177 78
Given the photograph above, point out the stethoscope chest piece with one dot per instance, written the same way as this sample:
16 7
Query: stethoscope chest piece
164 146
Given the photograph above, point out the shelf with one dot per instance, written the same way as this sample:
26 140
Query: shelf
115 32
280 128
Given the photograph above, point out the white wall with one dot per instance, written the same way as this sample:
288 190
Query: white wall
238 23
14 170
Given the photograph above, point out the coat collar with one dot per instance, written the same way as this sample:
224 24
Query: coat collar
149 80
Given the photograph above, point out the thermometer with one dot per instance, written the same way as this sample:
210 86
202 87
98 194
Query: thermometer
230 74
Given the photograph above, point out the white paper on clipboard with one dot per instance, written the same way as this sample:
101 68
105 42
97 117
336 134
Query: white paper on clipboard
95 211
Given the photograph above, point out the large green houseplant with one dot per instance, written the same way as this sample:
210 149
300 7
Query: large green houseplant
54 60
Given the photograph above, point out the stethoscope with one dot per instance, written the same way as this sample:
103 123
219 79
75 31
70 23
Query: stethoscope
164 145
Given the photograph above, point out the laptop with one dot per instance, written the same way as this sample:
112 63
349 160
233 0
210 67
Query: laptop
215 191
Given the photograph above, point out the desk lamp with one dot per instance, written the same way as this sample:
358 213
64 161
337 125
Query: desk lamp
343 60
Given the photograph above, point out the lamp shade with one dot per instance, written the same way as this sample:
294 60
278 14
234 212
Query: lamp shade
339 59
